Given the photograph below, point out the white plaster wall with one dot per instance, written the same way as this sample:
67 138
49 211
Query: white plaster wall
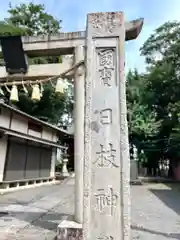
54 137
34 133
5 118
19 123
47 134
3 149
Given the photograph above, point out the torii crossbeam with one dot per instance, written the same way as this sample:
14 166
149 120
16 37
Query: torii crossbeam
64 43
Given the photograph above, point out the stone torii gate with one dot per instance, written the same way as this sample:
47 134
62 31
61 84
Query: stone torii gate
101 134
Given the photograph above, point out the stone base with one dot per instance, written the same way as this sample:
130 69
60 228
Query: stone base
66 174
69 230
136 182
72 175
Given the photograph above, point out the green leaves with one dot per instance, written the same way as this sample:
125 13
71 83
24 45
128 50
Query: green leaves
160 41
142 121
8 29
32 19
162 54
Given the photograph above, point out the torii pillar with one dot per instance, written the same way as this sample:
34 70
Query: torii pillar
79 133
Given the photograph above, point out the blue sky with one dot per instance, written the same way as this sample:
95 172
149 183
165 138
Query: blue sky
73 14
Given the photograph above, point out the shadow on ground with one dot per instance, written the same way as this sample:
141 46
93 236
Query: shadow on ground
157 233
46 220
170 197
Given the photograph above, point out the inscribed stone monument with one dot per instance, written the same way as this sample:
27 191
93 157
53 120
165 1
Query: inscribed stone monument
106 156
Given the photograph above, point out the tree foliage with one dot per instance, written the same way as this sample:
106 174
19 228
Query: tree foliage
32 20
157 98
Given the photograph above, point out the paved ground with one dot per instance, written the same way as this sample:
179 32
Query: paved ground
156 212
34 214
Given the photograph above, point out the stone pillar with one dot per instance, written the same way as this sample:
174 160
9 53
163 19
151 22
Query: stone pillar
106 156
53 162
79 134
3 152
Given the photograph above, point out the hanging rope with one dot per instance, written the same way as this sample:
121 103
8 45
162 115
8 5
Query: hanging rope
37 85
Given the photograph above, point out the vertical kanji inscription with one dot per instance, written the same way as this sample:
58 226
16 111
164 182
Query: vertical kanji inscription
106 116
106 157
106 202
106 66
105 22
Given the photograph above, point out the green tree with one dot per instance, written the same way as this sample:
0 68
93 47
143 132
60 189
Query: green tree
160 41
162 53
32 20
8 29
142 123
